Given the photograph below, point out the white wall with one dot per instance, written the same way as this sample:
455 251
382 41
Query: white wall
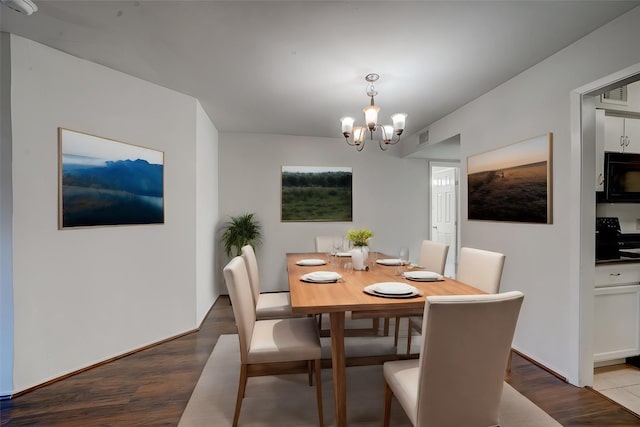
533 103
389 195
206 212
6 206
85 295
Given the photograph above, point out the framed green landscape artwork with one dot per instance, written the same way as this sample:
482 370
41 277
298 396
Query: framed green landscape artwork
317 193
512 183
106 182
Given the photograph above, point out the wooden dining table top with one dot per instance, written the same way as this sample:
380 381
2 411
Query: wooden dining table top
348 294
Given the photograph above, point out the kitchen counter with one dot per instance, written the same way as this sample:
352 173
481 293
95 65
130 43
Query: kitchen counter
621 260
627 247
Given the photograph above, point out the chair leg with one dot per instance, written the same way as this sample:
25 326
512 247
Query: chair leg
375 324
509 361
241 388
318 369
388 394
396 332
409 330
310 372
386 327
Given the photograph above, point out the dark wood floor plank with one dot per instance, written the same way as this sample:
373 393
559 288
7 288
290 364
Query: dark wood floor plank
153 386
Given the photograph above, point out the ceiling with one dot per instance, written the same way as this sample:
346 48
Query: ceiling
296 67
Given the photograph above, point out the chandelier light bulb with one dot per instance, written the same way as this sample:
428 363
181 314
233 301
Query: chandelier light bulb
398 122
371 115
387 133
347 126
359 133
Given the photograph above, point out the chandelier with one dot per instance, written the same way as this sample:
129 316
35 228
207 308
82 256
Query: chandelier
386 134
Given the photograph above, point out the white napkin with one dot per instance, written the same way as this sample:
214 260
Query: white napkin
321 276
312 261
421 275
393 288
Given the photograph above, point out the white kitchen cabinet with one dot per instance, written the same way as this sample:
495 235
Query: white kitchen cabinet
632 132
622 134
617 274
617 322
617 311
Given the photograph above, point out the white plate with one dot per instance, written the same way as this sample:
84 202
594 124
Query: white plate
393 288
312 261
390 261
422 276
371 291
321 277
343 254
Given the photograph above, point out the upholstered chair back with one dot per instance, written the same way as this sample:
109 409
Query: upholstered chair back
250 260
244 309
480 269
325 243
467 340
433 256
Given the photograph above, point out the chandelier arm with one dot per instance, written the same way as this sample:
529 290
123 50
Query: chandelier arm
382 145
392 142
360 146
348 142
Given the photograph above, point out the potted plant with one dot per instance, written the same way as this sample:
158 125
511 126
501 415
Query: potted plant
360 252
241 230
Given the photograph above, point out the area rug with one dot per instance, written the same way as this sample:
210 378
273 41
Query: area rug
288 400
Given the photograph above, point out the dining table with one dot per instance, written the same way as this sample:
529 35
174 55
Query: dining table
351 293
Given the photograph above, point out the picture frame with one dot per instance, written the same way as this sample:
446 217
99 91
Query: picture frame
512 183
103 182
316 193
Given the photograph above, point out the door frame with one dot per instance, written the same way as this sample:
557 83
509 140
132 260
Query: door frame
446 164
582 207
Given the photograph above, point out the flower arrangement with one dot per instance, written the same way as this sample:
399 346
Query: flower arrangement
359 237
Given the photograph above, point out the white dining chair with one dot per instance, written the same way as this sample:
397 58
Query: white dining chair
433 257
327 244
476 267
269 305
270 346
458 378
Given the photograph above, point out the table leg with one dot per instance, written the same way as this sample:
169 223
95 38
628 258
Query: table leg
338 367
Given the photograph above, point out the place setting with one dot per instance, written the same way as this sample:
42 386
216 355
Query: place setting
311 262
390 261
392 290
321 277
422 276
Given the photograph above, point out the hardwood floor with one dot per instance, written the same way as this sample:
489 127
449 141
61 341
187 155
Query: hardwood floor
152 387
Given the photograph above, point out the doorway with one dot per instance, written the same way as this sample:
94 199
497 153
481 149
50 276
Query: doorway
613 377
581 259
444 210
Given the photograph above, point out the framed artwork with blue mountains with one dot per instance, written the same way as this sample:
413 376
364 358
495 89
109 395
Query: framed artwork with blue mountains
103 182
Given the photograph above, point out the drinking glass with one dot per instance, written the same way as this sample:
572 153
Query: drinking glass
404 260
337 245
347 267
330 256
404 255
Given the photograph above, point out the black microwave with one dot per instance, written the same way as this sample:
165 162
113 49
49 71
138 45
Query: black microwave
622 177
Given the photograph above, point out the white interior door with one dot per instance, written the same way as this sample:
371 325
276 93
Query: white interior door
444 211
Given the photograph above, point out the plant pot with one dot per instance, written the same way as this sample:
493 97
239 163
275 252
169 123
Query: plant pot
359 256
